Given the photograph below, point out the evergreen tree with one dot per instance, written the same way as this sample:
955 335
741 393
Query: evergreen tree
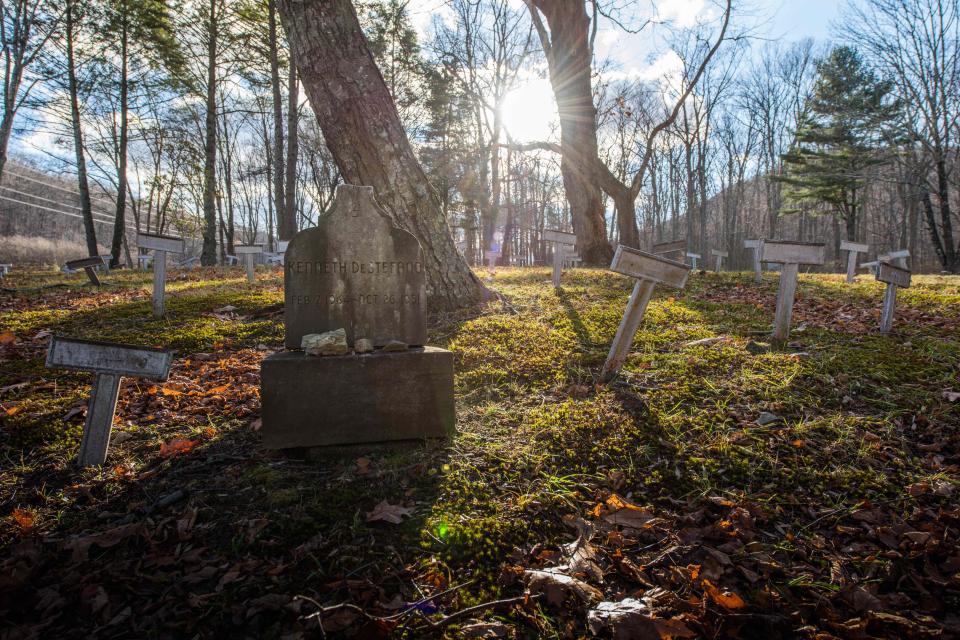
846 129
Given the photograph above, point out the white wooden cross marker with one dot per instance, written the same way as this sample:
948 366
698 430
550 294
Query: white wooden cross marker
562 242
88 265
109 361
894 277
160 245
757 247
693 259
719 255
5 269
853 248
649 270
790 255
248 251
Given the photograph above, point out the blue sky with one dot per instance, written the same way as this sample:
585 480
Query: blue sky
797 19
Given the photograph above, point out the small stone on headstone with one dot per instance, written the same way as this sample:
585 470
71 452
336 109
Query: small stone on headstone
395 345
330 343
363 345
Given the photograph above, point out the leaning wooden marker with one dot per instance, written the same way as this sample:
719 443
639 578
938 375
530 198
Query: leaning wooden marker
88 265
894 277
790 255
160 245
248 251
757 247
109 361
666 248
562 241
649 270
719 255
853 248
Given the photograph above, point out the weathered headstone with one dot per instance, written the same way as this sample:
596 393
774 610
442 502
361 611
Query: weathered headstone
719 255
89 265
160 245
109 361
790 255
357 272
248 251
894 277
563 243
649 270
693 259
756 246
852 249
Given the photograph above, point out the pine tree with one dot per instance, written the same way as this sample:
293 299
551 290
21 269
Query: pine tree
846 129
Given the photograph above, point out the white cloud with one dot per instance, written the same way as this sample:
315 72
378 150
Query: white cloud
682 13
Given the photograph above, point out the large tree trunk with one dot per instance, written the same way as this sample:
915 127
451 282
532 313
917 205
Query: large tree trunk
86 207
119 220
290 223
208 256
569 62
363 132
278 155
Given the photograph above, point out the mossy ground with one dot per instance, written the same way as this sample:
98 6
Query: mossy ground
222 536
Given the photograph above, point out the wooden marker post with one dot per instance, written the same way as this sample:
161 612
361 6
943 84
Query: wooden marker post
693 259
649 270
160 245
757 247
790 255
894 277
4 270
853 248
897 258
719 255
667 248
562 242
88 265
248 251
109 361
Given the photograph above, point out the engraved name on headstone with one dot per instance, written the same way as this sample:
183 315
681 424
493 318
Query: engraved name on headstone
109 361
160 245
355 271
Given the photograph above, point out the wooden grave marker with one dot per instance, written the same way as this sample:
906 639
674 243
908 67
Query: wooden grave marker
853 248
790 255
160 245
4 270
693 259
109 361
896 258
649 270
894 277
719 255
248 251
666 248
562 242
88 265
756 246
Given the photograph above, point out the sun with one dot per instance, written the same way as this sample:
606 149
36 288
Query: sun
530 111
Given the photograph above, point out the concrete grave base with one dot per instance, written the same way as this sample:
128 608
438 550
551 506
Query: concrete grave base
310 402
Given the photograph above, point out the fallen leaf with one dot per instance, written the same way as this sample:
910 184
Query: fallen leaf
23 518
363 466
80 546
726 599
557 587
176 447
7 337
631 619
222 388
167 391
386 512
476 629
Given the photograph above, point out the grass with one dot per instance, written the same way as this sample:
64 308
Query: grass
861 418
